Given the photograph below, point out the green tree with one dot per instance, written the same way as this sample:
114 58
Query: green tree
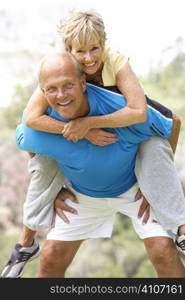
12 114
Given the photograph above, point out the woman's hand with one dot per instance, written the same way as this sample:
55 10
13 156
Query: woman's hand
76 129
79 128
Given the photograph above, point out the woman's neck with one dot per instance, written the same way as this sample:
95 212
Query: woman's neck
96 77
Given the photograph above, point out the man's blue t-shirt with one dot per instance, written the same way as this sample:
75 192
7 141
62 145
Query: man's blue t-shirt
93 170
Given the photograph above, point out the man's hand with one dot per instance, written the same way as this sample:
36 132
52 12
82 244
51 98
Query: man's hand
76 129
101 137
79 128
144 210
60 205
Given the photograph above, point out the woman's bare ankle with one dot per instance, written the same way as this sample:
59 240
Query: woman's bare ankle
181 230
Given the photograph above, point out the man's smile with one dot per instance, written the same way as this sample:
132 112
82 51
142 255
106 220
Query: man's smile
64 103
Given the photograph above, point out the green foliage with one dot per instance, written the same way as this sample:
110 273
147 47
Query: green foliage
168 87
13 113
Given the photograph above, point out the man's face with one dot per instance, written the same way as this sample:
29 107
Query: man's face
64 91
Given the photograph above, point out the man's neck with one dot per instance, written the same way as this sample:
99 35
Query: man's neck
83 109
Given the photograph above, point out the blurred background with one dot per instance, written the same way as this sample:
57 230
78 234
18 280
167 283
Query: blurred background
152 33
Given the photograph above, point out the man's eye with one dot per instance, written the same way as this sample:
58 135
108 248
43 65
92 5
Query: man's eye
50 90
69 85
79 51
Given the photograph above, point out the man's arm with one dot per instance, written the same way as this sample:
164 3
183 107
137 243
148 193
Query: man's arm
35 141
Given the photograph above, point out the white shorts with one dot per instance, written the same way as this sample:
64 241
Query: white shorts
95 218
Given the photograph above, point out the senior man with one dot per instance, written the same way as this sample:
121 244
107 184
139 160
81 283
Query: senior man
102 178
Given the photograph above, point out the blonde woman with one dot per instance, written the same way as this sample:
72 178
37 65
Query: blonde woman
84 36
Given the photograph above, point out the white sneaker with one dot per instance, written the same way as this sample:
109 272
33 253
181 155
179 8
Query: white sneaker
180 243
19 257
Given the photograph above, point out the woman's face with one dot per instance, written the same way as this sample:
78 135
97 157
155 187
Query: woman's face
89 56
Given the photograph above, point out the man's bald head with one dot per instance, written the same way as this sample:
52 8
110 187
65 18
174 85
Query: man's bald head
64 85
55 62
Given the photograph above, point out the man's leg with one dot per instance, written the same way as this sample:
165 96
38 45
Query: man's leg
56 256
158 242
160 247
164 257
94 220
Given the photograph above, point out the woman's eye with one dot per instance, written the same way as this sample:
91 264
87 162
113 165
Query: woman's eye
95 48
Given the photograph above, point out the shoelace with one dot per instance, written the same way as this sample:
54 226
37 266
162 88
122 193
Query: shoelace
23 256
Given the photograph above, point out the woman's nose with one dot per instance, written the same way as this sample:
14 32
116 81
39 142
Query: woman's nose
88 57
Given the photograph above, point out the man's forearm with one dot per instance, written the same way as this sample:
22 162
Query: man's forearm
173 140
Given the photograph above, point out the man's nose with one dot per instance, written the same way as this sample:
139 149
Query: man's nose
61 93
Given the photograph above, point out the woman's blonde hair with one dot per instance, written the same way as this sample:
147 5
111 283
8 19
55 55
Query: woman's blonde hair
81 28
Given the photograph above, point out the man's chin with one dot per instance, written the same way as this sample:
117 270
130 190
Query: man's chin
66 115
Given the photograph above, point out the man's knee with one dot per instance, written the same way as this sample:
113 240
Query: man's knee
161 250
53 257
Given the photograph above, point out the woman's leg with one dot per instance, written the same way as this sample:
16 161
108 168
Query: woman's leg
46 181
158 180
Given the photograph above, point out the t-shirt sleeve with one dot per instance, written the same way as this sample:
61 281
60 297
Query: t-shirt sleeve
159 122
114 60
36 141
119 61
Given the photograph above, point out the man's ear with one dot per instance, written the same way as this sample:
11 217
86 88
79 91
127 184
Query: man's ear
83 80
42 89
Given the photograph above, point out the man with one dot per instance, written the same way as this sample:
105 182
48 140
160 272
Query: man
102 179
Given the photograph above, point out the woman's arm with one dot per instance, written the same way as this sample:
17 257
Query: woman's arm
134 112
128 84
35 117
